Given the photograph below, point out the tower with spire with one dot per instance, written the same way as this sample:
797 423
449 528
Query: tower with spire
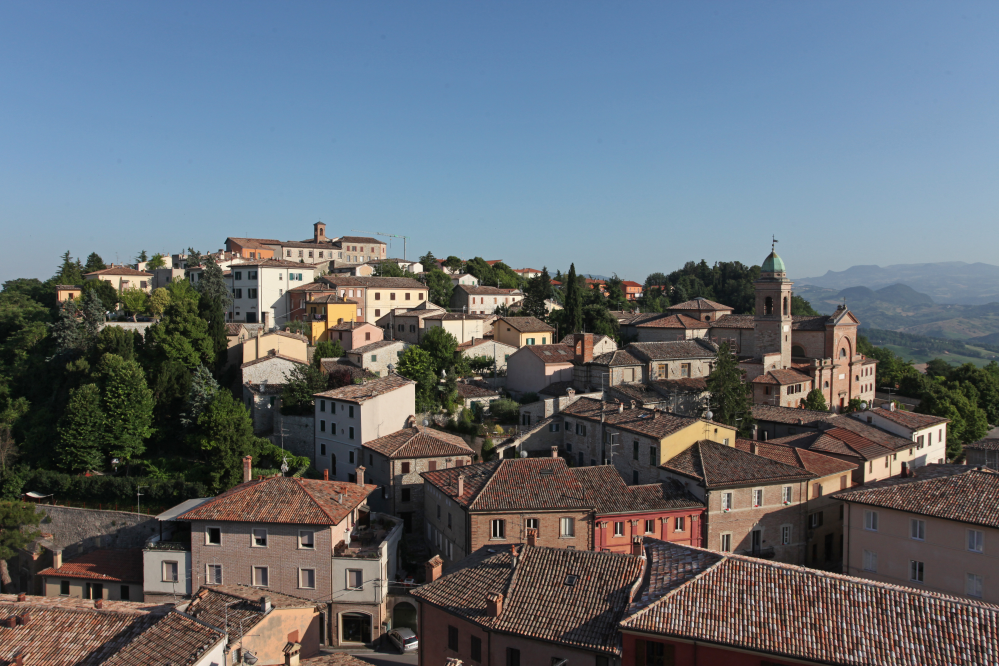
772 322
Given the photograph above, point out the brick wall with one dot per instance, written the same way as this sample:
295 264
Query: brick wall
516 529
769 518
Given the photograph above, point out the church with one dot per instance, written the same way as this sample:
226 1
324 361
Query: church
784 355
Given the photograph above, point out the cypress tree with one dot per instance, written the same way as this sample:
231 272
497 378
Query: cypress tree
573 302
731 396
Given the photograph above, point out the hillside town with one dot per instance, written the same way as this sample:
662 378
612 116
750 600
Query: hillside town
331 451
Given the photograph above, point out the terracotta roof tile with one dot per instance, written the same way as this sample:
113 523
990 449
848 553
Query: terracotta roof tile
471 391
486 291
271 357
527 324
807 323
782 377
791 416
539 601
953 492
819 617
910 420
281 499
615 358
677 349
419 442
373 282
642 421
673 321
116 565
551 353
176 639
375 346
608 493
987 444
870 432
699 304
735 321
720 466
361 393
237 605
816 463
513 484
120 270
360 239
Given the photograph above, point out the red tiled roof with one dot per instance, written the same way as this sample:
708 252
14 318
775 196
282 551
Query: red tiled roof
489 291
952 492
468 391
782 377
281 499
642 421
677 349
617 357
420 442
538 603
871 433
699 304
237 605
987 444
790 415
120 270
720 466
609 494
816 463
271 357
372 282
673 321
551 353
855 444
115 565
513 484
819 617
527 324
361 393
176 639
910 420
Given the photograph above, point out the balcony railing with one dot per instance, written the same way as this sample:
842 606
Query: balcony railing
168 545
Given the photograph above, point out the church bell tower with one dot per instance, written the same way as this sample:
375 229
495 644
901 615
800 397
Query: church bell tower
772 322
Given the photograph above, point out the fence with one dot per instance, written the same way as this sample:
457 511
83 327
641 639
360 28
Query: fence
144 509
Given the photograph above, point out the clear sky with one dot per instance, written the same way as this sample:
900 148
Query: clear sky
627 137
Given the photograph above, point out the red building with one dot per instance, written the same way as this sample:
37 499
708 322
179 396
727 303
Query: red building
632 290
656 511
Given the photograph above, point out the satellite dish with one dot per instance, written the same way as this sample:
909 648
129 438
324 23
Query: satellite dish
523 454
426 422
863 406
709 415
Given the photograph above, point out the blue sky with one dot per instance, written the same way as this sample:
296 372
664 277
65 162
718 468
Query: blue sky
625 137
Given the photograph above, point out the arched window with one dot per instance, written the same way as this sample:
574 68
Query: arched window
797 350
768 306
785 305
826 385
842 353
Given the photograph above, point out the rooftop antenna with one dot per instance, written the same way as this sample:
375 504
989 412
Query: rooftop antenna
138 495
381 233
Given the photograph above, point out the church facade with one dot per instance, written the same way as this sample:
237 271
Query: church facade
784 355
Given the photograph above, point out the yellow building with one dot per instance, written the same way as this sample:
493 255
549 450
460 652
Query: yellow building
325 312
67 292
523 331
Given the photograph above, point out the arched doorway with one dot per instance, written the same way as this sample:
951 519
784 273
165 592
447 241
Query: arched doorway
355 628
797 350
404 615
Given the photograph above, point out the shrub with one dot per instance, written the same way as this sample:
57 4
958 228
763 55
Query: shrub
505 410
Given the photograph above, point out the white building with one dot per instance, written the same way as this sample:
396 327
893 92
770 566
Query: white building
928 432
259 290
348 417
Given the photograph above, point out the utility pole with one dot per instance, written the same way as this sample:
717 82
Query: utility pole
381 233
138 495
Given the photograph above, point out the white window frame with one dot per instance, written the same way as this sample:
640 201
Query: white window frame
871 520
497 529
786 494
727 500
208 576
679 524
567 528
917 571
785 535
301 580
253 537
974 585
757 497
301 544
360 573
917 529
208 532
619 528
870 561
176 571
726 542
253 575
976 538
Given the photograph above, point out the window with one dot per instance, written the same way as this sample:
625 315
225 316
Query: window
917 529
306 539
64 588
259 537
785 494
650 526
239 275
322 405
498 529
251 293
351 457
405 468
355 579
653 460
171 572
816 490
512 657
580 429
973 585
351 432
449 520
976 541
307 579
322 447
213 574
726 543
785 534
685 370
213 536
726 499
915 571
238 292
870 561
553 427
567 527
757 497
322 426
124 593
619 528
634 450
260 576
452 638
406 495
634 478
533 524
530 341
871 521
476 648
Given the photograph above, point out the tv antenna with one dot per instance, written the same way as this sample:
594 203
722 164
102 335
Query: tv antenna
382 233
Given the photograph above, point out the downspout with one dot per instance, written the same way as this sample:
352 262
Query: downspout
846 542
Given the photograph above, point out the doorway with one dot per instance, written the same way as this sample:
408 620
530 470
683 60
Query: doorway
404 615
355 628
95 590
757 541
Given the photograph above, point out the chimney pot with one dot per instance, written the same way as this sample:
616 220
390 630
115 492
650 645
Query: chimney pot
494 604
57 559
19 659
22 597
756 432
532 537
247 469
636 546
265 604
360 475
754 448
461 485
98 603
24 619
434 566
326 475
11 622
554 452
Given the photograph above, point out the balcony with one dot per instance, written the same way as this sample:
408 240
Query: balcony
175 542
368 541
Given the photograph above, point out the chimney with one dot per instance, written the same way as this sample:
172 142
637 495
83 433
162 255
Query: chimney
98 603
532 537
265 604
891 406
636 546
247 469
292 654
19 659
24 619
434 566
756 432
57 559
22 597
582 343
410 421
620 407
461 485
554 452
10 622
494 604
754 448
360 475
326 475
633 404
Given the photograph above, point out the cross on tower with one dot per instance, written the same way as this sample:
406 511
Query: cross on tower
773 243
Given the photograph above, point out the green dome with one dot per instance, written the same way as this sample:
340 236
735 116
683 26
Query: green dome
773 264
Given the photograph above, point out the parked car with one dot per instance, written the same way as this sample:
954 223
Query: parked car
405 640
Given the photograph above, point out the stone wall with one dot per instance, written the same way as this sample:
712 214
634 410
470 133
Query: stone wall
298 432
80 531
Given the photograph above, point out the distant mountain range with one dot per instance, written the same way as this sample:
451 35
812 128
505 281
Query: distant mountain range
955 282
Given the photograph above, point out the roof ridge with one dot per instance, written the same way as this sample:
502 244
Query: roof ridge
485 485
298 482
721 558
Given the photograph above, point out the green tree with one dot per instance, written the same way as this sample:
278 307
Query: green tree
429 261
202 392
452 263
158 301
142 256
181 335
214 301
816 401
938 367
439 284
92 310
115 340
327 349
81 431
224 435
616 300
598 320
488 449
70 272
107 294
301 384
389 269
957 401
157 261
416 363
67 330
94 263
536 292
855 405
127 404
171 392
16 521
573 303
799 306
731 395
135 301
441 346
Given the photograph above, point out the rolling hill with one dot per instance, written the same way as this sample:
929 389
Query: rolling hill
946 282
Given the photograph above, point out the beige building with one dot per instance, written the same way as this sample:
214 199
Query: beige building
115 575
926 431
983 453
67 292
377 357
483 300
282 343
376 296
936 531
123 277
352 334
523 331
533 367
488 348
